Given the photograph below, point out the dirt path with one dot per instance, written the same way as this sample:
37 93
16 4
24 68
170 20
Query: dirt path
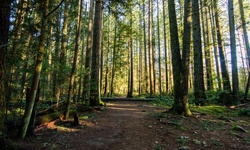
134 125
119 127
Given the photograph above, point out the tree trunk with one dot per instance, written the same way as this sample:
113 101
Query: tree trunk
215 46
107 56
165 44
130 92
159 46
36 77
186 42
82 54
235 80
206 39
224 72
95 67
150 48
243 21
145 48
31 127
180 105
114 62
86 81
199 90
75 61
62 77
4 30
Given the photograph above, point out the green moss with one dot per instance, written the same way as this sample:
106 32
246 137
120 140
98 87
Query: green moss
211 110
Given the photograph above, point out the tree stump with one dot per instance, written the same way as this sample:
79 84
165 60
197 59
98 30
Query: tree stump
76 119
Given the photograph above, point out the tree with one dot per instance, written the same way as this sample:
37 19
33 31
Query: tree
4 29
165 44
224 72
207 47
75 61
180 105
145 47
86 81
63 53
214 38
150 48
159 46
186 42
243 21
131 76
37 72
235 80
95 65
199 89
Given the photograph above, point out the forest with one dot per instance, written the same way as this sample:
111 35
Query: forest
61 56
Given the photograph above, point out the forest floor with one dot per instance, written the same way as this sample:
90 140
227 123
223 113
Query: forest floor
139 125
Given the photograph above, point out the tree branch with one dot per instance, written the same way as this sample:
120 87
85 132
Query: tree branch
54 9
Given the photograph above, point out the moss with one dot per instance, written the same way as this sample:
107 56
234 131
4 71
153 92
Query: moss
47 118
212 109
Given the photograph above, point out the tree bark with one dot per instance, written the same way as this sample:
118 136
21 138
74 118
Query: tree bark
165 45
224 72
63 54
95 67
150 48
75 60
145 48
4 30
199 89
211 12
130 92
207 47
235 80
86 81
36 76
159 46
186 42
243 21
180 105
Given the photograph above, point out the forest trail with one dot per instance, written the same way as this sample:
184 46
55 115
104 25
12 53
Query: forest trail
134 125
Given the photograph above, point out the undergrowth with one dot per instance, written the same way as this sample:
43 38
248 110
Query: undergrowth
214 104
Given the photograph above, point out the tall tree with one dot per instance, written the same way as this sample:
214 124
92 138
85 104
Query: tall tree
114 60
130 92
180 105
75 61
4 30
199 89
214 38
224 71
186 42
95 65
165 44
159 45
243 22
55 58
207 47
150 47
145 47
63 50
86 81
235 80
31 99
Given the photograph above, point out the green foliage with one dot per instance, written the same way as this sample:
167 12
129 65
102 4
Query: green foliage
216 142
183 139
159 147
243 112
164 101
